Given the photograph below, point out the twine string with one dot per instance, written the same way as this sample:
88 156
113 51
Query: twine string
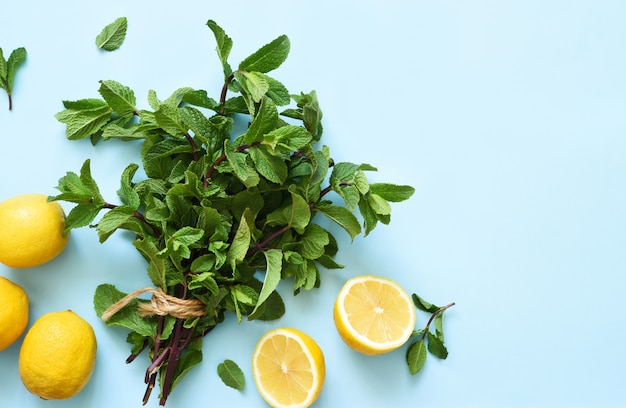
160 304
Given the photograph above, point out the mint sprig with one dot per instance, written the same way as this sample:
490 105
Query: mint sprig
8 69
427 341
221 218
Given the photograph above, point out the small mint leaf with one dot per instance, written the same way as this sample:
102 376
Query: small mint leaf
231 375
112 36
416 357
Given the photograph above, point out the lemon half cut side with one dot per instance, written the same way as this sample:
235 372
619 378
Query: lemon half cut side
288 368
374 315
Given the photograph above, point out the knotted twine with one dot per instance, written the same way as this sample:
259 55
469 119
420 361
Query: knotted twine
160 304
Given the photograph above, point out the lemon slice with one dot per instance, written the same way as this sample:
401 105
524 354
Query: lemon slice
374 315
288 368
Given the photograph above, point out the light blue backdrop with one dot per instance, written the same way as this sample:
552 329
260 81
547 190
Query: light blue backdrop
506 116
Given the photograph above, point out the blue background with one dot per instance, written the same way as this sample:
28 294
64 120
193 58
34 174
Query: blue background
506 116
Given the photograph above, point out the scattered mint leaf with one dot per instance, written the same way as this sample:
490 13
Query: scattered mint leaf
8 68
112 36
231 375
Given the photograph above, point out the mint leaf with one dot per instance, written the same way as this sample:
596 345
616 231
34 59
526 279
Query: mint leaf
342 217
119 97
224 46
436 346
273 259
231 375
16 58
84 122
112 36
416 357
269 164
265 121
128 317
423 305
392 192
268 57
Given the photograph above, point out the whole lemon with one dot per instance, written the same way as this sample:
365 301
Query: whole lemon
13 312
30 230
58 355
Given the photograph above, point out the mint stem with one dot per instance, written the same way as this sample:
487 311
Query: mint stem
432 317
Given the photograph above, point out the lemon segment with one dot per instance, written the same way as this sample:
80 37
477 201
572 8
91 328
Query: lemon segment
288 368
31 230
13 312
374 315
58 355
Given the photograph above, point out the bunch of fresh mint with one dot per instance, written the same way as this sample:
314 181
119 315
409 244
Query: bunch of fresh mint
220 218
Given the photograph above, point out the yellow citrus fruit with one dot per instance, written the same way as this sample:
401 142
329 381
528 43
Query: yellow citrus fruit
374 315
58 355
288 368
13 312
30 230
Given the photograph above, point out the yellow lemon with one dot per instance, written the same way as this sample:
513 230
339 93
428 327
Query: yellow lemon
58 355
374 315
30 230
13 312
288 368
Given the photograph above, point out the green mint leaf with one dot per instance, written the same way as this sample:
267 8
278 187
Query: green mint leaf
157 266
3 70
269 164
224 46
378 204
170 119
416 357
180 241
84 122
118 217
278 92
17 57
189 360
254 83
423 305
240 244
119 97
439 326
288 138
370 218
313 242
436 347
244 172
392 192
264 122
268 57
81 216
127 193
231 375
112 36
106 295
342 217
200 98
204 280
296 216
273 259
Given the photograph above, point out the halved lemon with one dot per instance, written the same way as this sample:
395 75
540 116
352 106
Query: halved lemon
374 315
288 368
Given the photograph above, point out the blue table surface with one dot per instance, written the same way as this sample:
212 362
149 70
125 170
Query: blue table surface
506 116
